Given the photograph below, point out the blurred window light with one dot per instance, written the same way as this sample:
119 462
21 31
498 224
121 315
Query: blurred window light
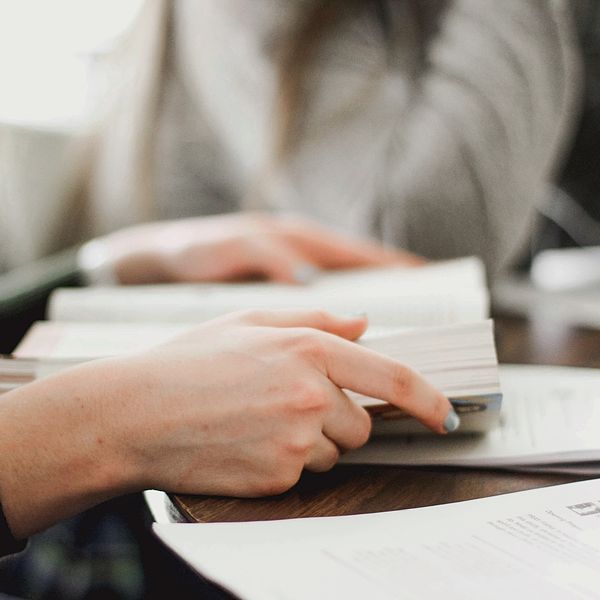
49 54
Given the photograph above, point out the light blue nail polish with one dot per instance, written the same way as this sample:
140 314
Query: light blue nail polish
305 273
452 421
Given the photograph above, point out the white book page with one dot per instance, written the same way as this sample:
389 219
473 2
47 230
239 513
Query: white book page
86 340
440 293
458 359
542 543
549 415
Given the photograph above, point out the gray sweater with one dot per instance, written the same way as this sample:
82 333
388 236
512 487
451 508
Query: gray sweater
438 132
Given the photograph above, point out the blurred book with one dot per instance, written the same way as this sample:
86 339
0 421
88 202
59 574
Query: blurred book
436 294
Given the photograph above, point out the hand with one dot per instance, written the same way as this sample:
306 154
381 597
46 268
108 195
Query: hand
243 404
240 246
238 407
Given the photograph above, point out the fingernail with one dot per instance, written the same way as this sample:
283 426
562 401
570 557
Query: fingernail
304 273
358 315
452 421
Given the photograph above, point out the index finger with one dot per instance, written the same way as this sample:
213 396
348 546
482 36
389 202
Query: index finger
367 372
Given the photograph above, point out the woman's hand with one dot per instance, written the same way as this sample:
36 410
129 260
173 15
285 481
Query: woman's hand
238 407
239 246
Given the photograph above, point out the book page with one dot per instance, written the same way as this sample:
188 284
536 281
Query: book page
86 340
541 543
460 360
439 293
549 415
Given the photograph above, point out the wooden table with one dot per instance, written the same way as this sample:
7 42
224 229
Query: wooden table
357 489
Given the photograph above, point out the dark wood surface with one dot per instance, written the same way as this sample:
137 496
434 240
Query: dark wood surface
358 489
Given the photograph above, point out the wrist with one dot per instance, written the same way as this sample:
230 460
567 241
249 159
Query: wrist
57 454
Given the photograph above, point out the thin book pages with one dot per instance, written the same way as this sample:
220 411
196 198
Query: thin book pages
459 359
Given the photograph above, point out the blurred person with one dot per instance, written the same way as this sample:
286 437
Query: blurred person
434 127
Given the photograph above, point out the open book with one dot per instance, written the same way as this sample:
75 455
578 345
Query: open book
542 543
549 421
437 294
459 359
404 306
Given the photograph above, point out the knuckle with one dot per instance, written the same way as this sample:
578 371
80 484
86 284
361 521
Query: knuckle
308 343
297 446
326 460
332 457
289 478
280 481
363 429
266 487
403 382
250 315
311 397
321 318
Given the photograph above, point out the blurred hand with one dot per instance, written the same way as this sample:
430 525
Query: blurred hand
240 246
238 407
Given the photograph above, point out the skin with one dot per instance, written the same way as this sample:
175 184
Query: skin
239 246
238 407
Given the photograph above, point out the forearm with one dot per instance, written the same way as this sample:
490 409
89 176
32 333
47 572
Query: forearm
57 454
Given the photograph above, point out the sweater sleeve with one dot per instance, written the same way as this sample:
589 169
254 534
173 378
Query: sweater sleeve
490 114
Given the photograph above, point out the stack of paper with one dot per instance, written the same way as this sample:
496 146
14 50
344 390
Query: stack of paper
542 543
437 294
459 359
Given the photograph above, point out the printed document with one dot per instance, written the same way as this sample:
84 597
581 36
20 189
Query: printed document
541 543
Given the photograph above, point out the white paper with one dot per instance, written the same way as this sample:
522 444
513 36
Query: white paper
541 543
86 340
156 501
549 415
441 293
460 359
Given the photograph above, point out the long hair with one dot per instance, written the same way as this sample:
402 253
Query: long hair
146 56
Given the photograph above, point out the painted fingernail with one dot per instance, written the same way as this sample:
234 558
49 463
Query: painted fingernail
452 421
358 315
304 273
